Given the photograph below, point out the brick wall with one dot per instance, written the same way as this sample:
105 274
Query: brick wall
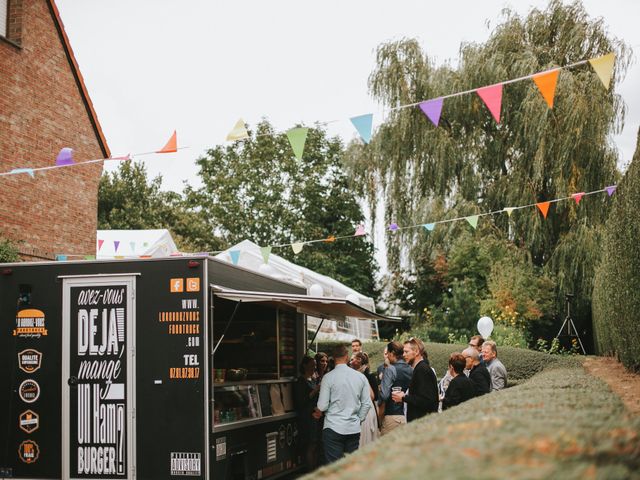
41 111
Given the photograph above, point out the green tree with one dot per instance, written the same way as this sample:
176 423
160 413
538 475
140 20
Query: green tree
534 154
8 251
128 200
256 189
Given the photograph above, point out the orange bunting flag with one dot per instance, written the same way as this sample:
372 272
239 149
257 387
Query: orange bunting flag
171 146
544 208
604 67
492 98
330 238
546 82
577 197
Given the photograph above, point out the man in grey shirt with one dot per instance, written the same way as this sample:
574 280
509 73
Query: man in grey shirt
344 399
496 368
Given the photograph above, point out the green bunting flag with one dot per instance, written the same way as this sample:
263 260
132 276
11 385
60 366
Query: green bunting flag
265 251
297 138
473 220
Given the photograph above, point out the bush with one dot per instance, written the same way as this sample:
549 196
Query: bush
8 251
616 303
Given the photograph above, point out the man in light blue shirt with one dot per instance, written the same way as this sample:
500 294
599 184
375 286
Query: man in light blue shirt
344 398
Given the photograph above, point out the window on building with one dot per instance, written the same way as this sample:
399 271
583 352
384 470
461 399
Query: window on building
4 15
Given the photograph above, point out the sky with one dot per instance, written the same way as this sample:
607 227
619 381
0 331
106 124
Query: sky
197 66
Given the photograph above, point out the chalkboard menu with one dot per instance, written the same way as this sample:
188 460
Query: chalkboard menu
287 340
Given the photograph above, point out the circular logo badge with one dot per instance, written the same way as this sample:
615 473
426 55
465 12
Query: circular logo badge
29 391
28 451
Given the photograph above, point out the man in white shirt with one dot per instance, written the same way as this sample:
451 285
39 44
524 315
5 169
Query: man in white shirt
344 399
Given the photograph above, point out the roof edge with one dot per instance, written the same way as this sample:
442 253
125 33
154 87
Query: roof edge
93 117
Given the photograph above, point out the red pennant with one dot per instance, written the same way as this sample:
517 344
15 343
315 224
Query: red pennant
171 146
544 208
100 242
492 98
546 82
577 197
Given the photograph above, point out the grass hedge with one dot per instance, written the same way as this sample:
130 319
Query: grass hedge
561 423
616 298
521 364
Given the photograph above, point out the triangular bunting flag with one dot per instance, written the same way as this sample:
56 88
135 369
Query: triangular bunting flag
363 124
330 239
61 258
604 67
133 246
235 256
432 109
544 208
125 157
89 257
100 242
577 197
239 132
610 189
509 210
429 226
116 244
65 157
265 251
171 146
492 98
546 82
393 227
28 171
473 220
297 247
360 231
297 138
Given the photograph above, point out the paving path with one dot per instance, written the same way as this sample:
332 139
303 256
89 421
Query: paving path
624 383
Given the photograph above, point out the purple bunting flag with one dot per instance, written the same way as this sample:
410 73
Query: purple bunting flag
432 109
65 157
610 189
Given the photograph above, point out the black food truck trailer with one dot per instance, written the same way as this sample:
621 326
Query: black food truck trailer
151 369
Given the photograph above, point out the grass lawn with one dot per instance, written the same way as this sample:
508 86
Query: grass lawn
559 423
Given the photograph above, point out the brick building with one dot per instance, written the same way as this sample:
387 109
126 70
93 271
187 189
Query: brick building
44 106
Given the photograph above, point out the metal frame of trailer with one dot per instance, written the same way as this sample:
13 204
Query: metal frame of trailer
118 369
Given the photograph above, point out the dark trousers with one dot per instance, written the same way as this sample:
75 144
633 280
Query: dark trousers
336 445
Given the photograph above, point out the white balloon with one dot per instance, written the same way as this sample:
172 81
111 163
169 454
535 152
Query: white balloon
485 326
316 290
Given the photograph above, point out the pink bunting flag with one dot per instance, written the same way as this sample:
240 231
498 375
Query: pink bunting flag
100 242
577 197
610 189
359 231
65 157
492 98
432 109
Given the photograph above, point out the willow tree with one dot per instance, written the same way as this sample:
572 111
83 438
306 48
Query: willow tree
470 164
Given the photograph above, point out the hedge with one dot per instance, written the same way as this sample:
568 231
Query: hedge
521 364
616 292
562 423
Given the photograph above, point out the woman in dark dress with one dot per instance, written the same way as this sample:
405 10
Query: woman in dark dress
306 397
460 388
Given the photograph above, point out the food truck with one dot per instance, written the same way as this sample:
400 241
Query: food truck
151 369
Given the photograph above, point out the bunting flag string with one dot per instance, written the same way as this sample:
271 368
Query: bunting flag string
297 247
65 159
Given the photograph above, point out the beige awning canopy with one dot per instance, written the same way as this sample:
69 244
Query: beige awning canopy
321 307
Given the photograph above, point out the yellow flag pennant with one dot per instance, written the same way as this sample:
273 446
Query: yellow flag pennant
239 132
603 66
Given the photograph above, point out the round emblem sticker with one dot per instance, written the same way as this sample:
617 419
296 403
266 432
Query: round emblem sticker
29 391
28 451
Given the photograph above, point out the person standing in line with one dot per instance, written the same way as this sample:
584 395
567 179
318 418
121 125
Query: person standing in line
460 388
306 392
322 365
396 377
478 373
344 400
422 396
356 346
369 428
476 342
496 368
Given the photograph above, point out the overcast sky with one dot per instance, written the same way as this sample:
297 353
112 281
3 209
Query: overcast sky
152 66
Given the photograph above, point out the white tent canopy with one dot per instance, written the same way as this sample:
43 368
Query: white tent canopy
134 243
317 285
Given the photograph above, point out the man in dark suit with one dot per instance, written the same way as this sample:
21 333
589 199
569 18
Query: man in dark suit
478 373
422 396
461 388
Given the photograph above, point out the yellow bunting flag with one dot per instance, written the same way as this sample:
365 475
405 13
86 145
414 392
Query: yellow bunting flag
509 210
171 146
544 208
239 132
546 83
604 67
297 247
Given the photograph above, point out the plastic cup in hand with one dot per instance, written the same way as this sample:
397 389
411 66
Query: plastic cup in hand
396 389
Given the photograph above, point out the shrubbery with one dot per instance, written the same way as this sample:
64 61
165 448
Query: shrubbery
616 298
